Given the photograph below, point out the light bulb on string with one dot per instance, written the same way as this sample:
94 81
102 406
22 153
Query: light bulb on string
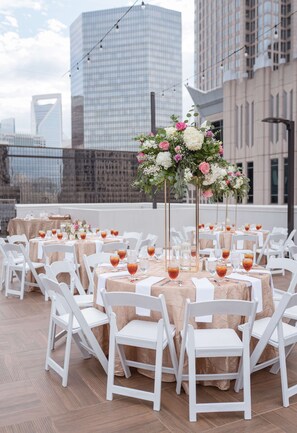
100 47
174 89
142 5
275 33
77 67
221 66
203 76
245 51
88 58
163 93
117 28
69 75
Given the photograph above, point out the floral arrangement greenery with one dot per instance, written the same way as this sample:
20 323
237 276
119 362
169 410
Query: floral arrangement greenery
181 154
73 229
232 183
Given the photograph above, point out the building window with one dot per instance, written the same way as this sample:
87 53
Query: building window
285 180
274 181
250 175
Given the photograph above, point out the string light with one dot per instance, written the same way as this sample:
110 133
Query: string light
99 43
222 61
222 66
88 58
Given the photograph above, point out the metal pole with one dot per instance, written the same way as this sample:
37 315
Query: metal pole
291 160
153 130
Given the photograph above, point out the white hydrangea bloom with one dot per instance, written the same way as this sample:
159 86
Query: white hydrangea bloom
170 131
164 159
149 144
215 173
188 175
193 138
153 169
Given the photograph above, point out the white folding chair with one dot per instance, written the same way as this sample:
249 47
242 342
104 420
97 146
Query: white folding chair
152 238
282 230
189 233
289 241
78 325
273 246
139 333
282 336
111 247
133 239
3 263
214 238
56 269
143 246
287 265
19 239
293 252
68 251
205 343
238 241
20 269
90 263
176 236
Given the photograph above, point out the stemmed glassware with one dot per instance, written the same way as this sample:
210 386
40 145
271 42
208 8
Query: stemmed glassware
247 263
235 259
132 266
114 260
173 270
151 251
211 266
217 253
221 269
158 253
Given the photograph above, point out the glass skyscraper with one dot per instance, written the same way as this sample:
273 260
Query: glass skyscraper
110 88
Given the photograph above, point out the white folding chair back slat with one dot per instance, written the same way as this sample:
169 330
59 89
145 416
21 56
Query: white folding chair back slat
152 238
133 239
202 343
282 336
189 233
212 237
111 247
76 323
139 333
289 265
242 239
272 247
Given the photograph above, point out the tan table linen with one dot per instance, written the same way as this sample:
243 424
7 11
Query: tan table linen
19 226
86 246
175 297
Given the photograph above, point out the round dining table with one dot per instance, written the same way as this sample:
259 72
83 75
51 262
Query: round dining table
176 293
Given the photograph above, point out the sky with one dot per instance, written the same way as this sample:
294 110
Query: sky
35 51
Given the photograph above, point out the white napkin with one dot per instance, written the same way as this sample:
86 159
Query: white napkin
40 250
260 239
99 245
204 292
102 282
144 288
256 287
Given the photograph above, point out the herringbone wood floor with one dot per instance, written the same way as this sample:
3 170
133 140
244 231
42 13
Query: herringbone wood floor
33 400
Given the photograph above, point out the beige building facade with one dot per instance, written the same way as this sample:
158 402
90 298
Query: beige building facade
257 79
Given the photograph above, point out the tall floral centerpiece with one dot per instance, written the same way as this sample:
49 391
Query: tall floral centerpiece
176 156
73 229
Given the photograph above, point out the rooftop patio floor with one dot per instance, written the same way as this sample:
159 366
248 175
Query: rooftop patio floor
33 400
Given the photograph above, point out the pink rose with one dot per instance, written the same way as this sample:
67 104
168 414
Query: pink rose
209 134
177 157
204 167
208 193
181 126
164 145
227 182
177 149
221 150
151 134
140 157
238 173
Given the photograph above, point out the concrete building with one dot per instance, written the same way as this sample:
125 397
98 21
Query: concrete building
246 70
46 118
110 88
7 126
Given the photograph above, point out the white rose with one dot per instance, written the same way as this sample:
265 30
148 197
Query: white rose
238 183
164 159
170 131
206 125
149 144
193 138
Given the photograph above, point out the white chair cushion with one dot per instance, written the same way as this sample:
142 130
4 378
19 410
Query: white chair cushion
224 340
142 330
92 316
260 325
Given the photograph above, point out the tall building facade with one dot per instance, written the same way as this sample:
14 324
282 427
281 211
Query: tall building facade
46 118
257 78
7 126
110 89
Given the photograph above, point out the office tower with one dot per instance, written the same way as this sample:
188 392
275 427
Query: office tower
46 118
110 88
247 34
257 79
